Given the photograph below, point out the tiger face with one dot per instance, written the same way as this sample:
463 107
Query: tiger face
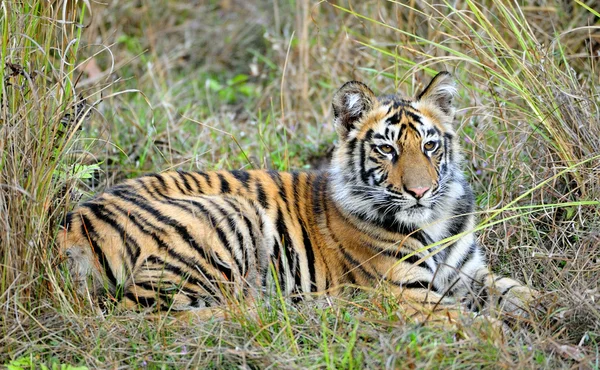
398 158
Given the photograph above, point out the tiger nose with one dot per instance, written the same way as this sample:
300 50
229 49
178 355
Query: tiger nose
418 191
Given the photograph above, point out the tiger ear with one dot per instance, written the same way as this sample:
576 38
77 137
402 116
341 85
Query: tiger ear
350 103
440 92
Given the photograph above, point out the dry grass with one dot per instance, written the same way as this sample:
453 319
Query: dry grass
232 84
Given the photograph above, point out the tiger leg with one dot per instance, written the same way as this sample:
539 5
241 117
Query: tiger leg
154 287
429 307
164 299
423 305
505 294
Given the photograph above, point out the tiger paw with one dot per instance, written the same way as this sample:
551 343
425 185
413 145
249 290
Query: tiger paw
520 302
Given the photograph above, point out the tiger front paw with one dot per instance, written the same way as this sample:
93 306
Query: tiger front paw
520 301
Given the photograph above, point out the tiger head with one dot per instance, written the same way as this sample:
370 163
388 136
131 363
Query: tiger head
397 158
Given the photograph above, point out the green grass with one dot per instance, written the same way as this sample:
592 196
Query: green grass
249 84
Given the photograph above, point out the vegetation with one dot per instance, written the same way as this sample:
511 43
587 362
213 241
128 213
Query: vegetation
91 93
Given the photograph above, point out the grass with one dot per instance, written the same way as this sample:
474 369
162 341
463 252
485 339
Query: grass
88 99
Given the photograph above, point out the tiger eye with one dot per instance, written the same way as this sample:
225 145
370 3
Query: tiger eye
430 145
386 149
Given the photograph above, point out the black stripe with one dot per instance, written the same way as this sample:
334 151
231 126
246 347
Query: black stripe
410 124
242 265
158 185
390 223
480 292
347 271
401 103
465 257
372 170
462 214
349 274
253 238
355 265
394 119
387 133
154 193
398 255
310 256
318 190
88 229
161 180
206 178
66 221
418 284
286 241
222 266
292 208
498 278
288 247
242 176
277 179
504 292
276 260
509 289
351 145
448 251
415 117
179 272
420 235
297 274
143 301
166 296
196 181
363 173
182 176
181 230
224 184
166 288
260 194
137 220
100 211
447 144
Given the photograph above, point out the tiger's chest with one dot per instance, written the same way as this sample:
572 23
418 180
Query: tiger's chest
430 255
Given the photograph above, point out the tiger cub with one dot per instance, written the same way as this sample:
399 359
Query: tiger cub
188 240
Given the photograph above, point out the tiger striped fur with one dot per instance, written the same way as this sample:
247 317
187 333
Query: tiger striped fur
187 240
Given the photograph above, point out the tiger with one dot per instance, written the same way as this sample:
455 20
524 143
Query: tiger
393 210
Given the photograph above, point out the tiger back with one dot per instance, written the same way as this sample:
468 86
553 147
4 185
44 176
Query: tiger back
393 209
